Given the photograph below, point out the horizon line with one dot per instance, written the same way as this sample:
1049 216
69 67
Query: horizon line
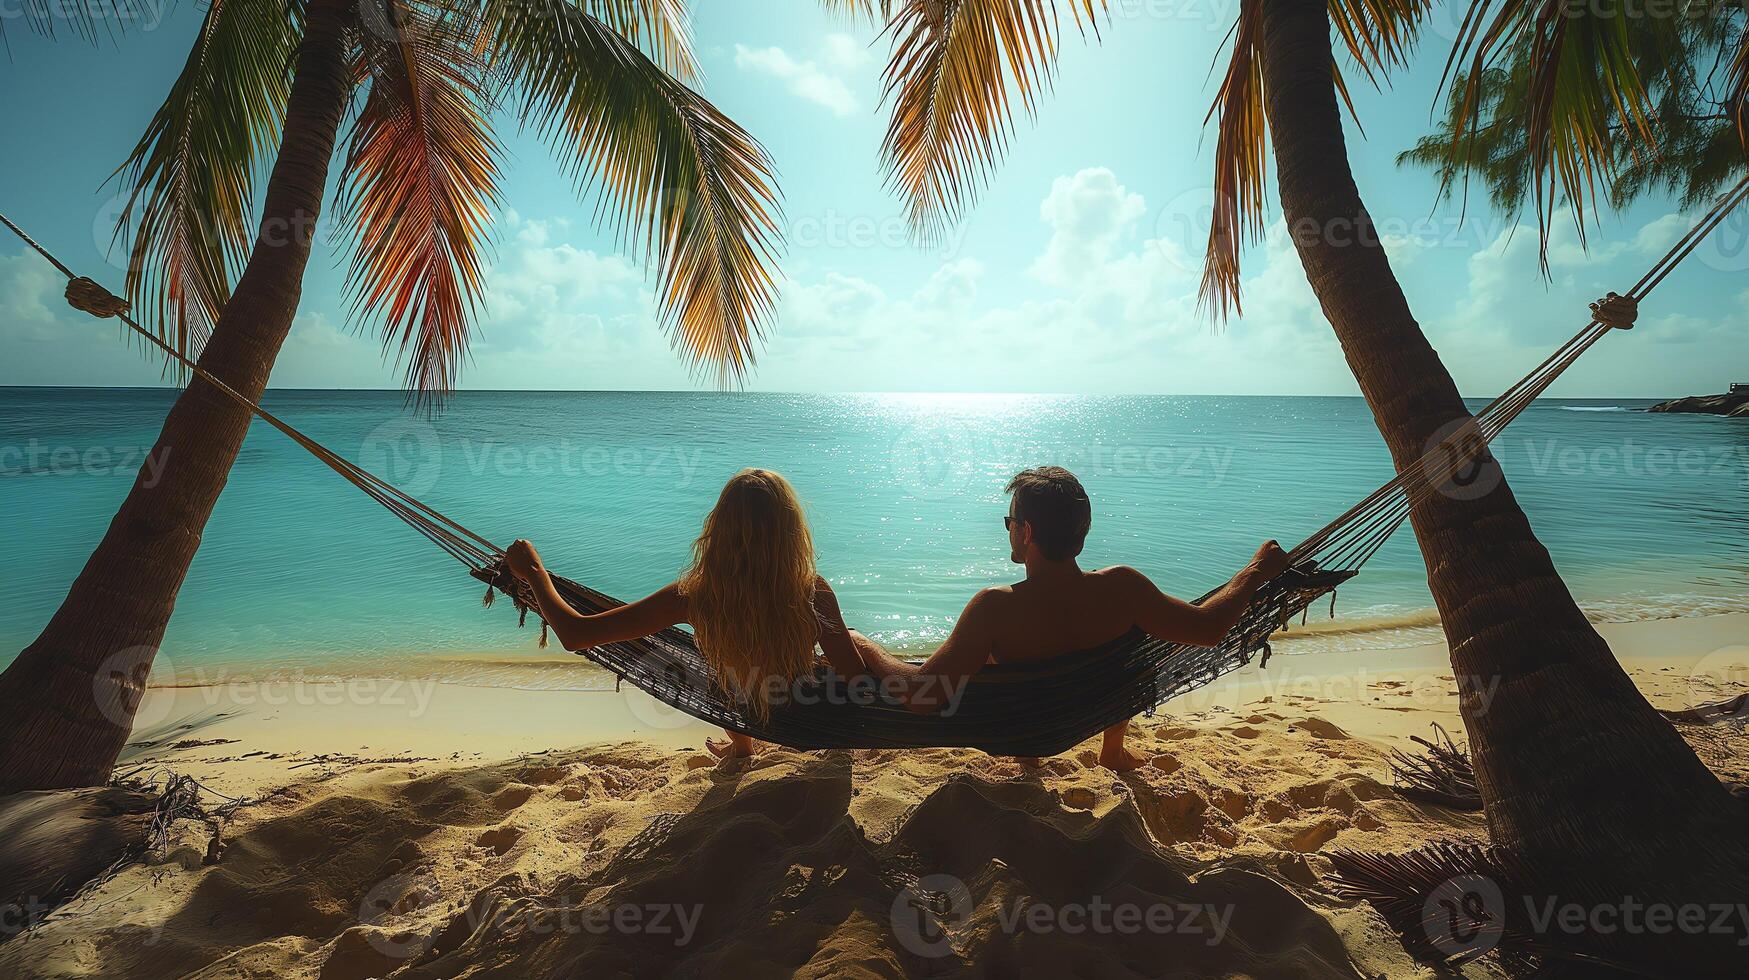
713 392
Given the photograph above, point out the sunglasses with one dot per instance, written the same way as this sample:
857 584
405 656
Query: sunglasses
1008 521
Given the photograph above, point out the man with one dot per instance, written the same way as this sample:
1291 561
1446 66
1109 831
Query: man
1059 609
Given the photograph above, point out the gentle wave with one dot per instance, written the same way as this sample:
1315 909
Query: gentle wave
1594 408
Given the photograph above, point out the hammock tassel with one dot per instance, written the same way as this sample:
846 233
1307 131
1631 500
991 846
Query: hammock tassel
1267 650
491 594
543 634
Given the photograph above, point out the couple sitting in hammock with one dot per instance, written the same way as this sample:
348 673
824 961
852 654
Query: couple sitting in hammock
759 609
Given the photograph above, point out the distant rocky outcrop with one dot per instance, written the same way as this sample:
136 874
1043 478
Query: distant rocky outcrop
1735 406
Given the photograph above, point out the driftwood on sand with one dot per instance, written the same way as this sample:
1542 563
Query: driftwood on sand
52 842
55 844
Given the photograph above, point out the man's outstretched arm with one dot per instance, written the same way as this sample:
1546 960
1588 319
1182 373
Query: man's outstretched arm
1202 624
938 682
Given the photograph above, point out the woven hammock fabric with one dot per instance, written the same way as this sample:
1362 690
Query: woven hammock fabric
1038 708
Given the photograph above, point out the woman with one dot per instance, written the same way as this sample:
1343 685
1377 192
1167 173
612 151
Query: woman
756 604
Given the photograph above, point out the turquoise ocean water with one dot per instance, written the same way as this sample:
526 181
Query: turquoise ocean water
1645 514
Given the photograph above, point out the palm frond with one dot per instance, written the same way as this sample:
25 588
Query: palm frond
418 186
191 177
1241 164
687 186
1737 97
870 11
1379 34
84 17
953 65
660 27
1582 75
1484 132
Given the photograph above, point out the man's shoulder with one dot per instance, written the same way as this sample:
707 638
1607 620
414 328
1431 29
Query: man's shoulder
991 600
1119 576
992 595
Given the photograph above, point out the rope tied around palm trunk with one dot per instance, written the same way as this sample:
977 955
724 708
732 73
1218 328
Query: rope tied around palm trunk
88 296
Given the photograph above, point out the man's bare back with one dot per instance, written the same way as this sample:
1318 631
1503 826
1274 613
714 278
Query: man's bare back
1036 619
1059 609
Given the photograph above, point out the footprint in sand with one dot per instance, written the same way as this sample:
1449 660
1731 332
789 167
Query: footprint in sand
1316 836
542 775
499 840
512 797
1319 728
1079 798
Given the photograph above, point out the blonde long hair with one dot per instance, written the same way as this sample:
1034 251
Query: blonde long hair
750 588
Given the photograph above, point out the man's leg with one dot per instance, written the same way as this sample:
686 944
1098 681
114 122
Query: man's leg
1114 755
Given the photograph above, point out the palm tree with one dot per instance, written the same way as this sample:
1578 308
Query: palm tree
602 80
1582 780
1689 132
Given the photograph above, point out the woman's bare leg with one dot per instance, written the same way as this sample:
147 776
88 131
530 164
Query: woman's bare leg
736 746
1114 755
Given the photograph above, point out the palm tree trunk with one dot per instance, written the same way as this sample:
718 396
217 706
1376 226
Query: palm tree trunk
67 703
1573 764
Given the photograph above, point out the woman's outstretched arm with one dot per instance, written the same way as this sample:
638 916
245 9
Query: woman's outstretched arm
578 631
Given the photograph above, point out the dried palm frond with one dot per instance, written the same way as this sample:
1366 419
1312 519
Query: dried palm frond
1241 164
949 77
418 186
1450 903
1378 34
686 185
191 177
1441 775
660 27
873 11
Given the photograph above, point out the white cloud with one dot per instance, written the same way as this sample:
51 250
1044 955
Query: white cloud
1656 237
843 53
29 295
1108 310
805 79
1087 214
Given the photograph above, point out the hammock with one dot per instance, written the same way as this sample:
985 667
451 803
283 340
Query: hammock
1039 708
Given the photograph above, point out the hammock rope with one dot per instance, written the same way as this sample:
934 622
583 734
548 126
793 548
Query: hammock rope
1015 709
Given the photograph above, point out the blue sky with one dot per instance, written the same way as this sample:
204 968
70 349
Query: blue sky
1075 272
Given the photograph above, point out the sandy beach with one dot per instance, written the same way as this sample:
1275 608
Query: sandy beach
426 830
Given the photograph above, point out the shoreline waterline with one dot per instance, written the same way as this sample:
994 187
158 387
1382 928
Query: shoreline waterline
1373 642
